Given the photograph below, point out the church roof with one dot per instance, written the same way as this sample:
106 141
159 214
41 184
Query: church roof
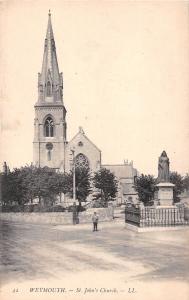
122 170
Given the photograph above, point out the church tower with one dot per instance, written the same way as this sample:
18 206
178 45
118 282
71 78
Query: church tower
50 114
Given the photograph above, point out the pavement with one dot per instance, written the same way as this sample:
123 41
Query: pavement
112 263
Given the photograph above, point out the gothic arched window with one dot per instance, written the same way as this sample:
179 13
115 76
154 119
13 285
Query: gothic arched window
49 92
49 127
49 155
81 161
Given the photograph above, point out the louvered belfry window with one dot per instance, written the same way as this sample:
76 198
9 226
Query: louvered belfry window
49 127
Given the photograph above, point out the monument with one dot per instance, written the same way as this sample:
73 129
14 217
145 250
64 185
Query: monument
164 194
164 213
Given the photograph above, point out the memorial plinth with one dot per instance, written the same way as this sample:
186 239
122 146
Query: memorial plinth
165 193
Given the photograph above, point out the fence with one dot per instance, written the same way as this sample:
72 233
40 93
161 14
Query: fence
150 216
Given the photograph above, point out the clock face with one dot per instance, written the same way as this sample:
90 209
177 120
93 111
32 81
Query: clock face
49 146
81 161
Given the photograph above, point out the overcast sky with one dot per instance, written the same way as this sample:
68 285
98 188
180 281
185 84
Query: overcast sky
126 77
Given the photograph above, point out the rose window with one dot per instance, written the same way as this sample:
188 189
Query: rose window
81 161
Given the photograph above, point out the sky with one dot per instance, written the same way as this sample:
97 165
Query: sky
125 66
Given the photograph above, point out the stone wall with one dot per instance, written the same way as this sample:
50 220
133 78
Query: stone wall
58 218
105 214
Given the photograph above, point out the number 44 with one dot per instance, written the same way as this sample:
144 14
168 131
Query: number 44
131 290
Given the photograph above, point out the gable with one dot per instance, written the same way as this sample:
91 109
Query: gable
81 144
81 137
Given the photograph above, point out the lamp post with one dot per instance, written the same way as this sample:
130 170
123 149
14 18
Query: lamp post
1 192
74 187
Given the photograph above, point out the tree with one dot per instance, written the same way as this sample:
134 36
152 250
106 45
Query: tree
34 183
145 187
186 182
105 181
12 189
29 182
63 183
7 189
178 181
82 183
44 183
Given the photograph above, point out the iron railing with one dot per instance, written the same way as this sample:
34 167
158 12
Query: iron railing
150 216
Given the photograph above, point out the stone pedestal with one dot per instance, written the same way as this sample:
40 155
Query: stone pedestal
164 194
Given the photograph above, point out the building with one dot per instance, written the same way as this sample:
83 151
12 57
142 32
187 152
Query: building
125 174
50 139
50 145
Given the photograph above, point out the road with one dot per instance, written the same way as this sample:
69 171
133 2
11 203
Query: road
75 255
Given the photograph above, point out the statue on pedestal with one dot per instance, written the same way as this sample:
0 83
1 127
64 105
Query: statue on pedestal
163 168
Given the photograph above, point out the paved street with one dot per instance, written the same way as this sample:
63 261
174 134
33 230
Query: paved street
77 256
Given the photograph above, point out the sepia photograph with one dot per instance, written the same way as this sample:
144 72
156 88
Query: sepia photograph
94 156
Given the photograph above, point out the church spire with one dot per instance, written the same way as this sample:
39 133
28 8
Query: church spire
49 34
50 82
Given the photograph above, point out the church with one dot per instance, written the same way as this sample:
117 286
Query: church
51 146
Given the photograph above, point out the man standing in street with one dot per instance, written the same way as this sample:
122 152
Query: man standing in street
95 221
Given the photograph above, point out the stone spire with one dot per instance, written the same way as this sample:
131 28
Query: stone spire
50 81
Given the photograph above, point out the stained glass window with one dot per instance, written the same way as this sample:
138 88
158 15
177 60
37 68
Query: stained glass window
81 161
